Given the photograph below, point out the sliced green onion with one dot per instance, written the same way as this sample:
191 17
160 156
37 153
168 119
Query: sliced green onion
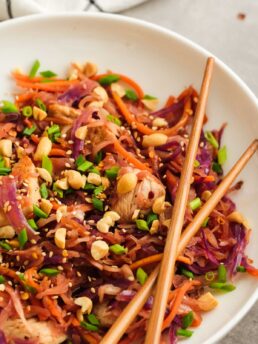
241 268
131 95
34 69
187 320
30 289
2 279
8 107
27 111
222 155
114 119
205 222
216 167
222 286
40 104
39 213
89 327
209 276
149 97
22 237
118 249
43 190
150 218
21 276
4 171
187 273
141 276
196 163
93 319
108 79
49 272
79 160
98 157
29 131
89 187
142 225
48 74
47 164
98 190
211 139
2 162
184 333
53 129
85 166
58 192
33 224
98 204
5 246
112 172
195 204
222 273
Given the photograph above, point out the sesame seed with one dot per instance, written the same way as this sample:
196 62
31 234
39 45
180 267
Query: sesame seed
93 290
78 274
60 268
51 253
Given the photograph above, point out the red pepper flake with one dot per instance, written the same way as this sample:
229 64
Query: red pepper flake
241 16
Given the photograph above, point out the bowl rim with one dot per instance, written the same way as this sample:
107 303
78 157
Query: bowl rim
190 44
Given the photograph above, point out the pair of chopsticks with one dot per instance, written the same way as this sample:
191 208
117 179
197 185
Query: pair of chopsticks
176 242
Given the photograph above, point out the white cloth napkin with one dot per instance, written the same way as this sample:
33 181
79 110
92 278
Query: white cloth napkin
18 8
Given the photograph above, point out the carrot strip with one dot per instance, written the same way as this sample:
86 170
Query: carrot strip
90 339
27 78
21 98
28 122
170 101
57 152
197 320
29 278
144 129
55 86
176 304
34 138
126 79
129 157
154 259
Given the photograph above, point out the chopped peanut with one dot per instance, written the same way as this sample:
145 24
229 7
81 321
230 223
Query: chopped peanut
90 69
62 184
81 132
101 93
154 227
7 232
94 178
60 235
39 114
159 122
115 87
43 149
61 211
75 179
113 214
159 205
207 302
44 174
206 195
154 140
99 249
85 303
126 183
6 148
46 206
103 226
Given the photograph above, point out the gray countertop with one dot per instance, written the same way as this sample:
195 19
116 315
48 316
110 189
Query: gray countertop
214 24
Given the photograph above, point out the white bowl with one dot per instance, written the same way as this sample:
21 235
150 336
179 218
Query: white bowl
163 63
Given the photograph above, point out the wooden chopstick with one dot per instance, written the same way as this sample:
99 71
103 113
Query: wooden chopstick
133 308
167 267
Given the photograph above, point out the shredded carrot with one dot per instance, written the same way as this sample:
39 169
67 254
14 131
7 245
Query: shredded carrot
29 274
144 129
252 271
197 319
53 308
22 98
90 338
57 152
34 138
126 79
53 86
23 77
154 259
208 178
28 122
75 322
170 101
55 205
129 157
176 304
